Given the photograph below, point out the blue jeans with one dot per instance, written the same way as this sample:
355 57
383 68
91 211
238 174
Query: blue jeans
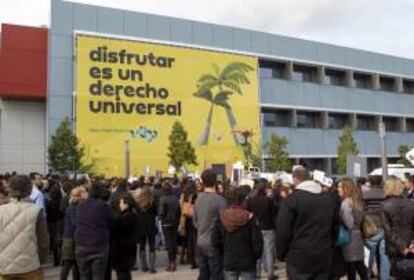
210 263
268 251
92 269
376 244
294 273
234 275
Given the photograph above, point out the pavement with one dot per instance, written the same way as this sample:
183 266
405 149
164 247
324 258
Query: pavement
184 272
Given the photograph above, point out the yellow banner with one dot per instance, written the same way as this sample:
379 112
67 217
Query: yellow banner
134 91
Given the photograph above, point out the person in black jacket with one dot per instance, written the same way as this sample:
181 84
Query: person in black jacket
147 228
68 243
55 218
397 214
93 221
242 239
306 229
169 213
264 209
124 238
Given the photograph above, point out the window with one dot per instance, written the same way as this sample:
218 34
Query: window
391 123
309 119
387 83
302 73
335 77
373 163
366 123
272 69
410 125
313 163
338 121
281 118
408 86
362 80
269 119
265 73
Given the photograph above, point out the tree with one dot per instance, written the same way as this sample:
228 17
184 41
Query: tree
255 156
277 154
224 83
181 151
402 150
65 153
347 146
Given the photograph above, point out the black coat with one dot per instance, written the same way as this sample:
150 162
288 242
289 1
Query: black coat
242 240
169 210
397 217
307 229
124 241
146 220
264 210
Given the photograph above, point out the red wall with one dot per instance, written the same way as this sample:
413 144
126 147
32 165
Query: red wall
23 62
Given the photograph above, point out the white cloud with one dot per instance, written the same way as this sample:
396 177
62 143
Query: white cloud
377 25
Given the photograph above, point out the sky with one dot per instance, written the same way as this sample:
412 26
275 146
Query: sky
385 26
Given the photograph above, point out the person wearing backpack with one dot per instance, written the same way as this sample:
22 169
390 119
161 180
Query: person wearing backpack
397 216
241 237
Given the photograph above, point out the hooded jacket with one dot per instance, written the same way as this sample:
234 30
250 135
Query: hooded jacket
307 227
242 239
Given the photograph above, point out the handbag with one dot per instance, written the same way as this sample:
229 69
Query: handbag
188 209
343 237
368 227
404 268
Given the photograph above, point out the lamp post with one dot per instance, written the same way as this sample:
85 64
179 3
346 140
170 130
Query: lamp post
127 159
383 145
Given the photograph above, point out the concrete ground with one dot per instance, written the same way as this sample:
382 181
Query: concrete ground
184 272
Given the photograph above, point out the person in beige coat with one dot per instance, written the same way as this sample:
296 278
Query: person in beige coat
24 241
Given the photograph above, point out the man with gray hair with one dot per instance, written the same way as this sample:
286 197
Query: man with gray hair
306 229
24 241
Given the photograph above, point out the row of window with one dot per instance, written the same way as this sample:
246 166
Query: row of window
312 119
333 76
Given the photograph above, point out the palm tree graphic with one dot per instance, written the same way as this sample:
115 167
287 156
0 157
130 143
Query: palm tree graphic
223 83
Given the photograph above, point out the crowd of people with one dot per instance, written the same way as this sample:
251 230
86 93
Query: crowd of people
91 227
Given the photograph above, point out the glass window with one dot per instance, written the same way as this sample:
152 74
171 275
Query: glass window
272 69
313 163
410 125
408 86
366 123
391 123
387 83
373 163
309 119
269 119
335 77
338 121
281 118
265 73
362 80
304 73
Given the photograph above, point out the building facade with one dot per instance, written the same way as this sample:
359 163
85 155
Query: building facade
308 91
23 60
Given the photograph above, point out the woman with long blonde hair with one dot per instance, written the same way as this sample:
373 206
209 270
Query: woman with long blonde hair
352 214
147 229
397 216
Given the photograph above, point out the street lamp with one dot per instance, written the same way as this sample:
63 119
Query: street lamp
383 144
127 159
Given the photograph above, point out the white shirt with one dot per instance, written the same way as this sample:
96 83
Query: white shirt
38 198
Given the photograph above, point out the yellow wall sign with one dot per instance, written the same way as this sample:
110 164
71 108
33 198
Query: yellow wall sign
135 91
